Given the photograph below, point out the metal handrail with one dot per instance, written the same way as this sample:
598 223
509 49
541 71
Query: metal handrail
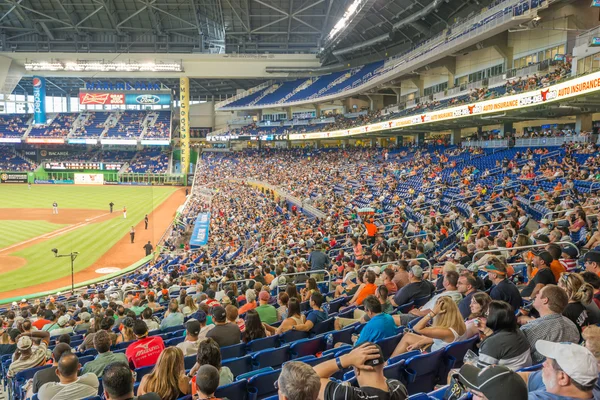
308 273
396 262
491 223
553 191
533 246
221 284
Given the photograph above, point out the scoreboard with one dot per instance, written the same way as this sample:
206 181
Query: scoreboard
81 165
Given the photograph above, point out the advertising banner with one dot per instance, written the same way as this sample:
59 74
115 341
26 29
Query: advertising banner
111 98
65 165
39 100
89 179
148 99
200 234
184 123
40 140
53 153
54 182
13 177
10 140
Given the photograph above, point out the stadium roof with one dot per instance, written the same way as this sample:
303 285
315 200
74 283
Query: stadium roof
218 26
200 88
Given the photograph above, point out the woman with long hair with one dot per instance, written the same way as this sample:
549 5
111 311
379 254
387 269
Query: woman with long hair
448 327
189 306
294 317
311 287
291 291
580 294
167 378
254 328
479 305
503 342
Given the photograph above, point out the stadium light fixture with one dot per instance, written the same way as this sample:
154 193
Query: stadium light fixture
343 22
72 255
101 66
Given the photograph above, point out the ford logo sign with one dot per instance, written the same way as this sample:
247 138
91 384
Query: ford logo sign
147 99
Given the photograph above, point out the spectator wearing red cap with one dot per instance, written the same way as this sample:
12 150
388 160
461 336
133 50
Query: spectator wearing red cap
266 312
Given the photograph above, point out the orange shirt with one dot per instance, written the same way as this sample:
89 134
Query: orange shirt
269 278
366 291
246 307
557 268
371 229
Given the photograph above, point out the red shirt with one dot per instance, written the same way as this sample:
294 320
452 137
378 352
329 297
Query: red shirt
145 351
39 324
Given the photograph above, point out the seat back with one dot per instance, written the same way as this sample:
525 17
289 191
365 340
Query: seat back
174 342
388 345
140 372
343 335
235 390
421 301
405 308
308 347
239 365
189 361
422 371
236 350
455 354
263 385
292 336
324 326
336 304
269 342
271 357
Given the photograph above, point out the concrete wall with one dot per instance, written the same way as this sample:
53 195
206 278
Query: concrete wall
434 76
477 60
548 34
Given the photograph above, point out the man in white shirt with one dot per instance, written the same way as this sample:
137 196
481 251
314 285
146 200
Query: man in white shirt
70 386
190 345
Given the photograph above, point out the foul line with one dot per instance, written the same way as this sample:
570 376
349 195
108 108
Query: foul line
55 233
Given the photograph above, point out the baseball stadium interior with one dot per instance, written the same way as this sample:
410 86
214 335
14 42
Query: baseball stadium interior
299 199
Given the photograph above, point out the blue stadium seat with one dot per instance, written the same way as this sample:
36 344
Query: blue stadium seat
388 345
307 347
262 385
236 390
175 341
190 361
238 365
291 336
421 301
268 342
454 355
271 357
236 350
323 327
335 305
422 371
250 374
142 371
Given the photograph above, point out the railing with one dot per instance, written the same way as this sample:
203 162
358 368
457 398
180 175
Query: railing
326 274
528 142
243 94
583 39
245 281
533 246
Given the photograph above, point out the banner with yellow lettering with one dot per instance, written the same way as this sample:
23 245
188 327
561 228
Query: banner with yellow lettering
184 123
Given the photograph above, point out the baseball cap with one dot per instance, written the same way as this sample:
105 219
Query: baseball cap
570 251
417 271
200 316
542 238
544 255
24 343
63 320
193 327
577 361
592 256
264 296
226 300
496 382
219 314
85 316
496 267
463 249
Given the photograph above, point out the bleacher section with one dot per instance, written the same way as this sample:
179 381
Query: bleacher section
150 161
128 126
60 126
161 128
10 161
94 125
13 125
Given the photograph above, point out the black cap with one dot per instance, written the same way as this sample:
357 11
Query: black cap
463 249
544 255
570 250
495 382
542 238
592 256
219 314
193 327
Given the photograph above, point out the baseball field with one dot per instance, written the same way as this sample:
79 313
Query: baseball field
29 230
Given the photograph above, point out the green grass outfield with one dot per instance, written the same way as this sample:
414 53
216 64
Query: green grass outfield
91 241
18 231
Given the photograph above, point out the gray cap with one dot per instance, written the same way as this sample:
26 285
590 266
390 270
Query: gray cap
85 316
417 271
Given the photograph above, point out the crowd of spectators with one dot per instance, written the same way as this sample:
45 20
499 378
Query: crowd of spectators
13 125
149 161
261 274
10 161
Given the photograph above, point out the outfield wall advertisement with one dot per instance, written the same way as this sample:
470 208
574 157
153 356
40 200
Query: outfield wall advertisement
89 179
13 177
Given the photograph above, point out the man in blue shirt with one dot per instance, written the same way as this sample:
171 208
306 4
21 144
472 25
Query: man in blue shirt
316 315
380 325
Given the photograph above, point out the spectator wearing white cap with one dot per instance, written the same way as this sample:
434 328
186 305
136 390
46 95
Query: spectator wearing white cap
25 356
63 326
83 325
569 372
